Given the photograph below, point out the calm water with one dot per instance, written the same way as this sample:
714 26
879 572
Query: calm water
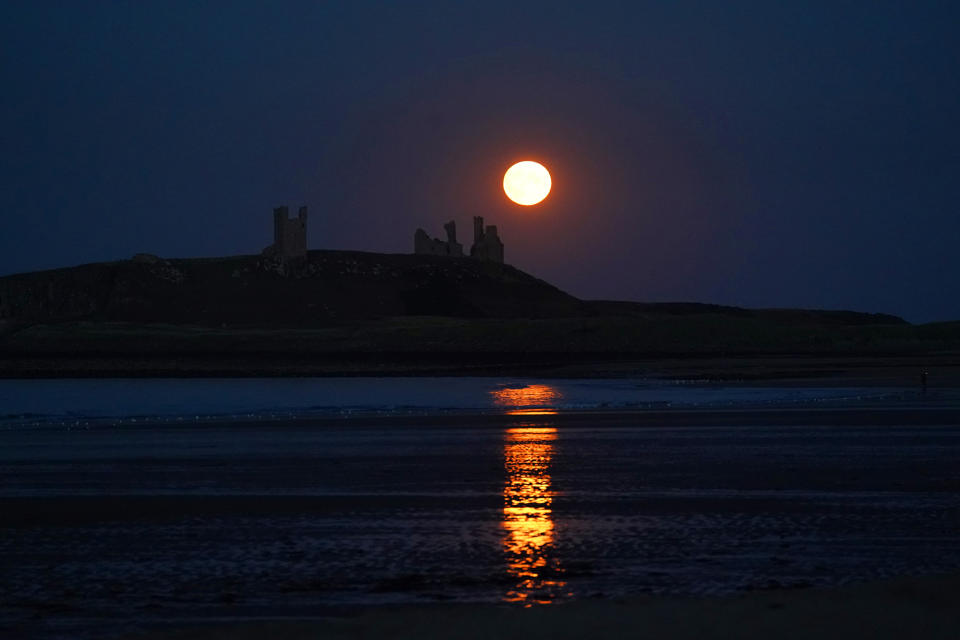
477 490
66 402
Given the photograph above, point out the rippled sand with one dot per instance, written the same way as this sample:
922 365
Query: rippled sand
111 530
926 608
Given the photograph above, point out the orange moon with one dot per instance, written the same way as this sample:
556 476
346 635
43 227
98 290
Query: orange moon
527 182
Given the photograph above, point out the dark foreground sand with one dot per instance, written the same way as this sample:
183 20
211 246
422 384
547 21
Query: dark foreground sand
902 608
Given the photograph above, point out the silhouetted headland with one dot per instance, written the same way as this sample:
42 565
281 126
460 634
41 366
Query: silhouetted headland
351 312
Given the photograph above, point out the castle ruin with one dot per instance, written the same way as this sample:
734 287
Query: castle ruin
424 244
486 243
289 235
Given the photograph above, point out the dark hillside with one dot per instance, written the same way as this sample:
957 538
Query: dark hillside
793 317
350 311
330 288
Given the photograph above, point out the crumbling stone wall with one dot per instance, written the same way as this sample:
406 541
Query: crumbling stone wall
425 245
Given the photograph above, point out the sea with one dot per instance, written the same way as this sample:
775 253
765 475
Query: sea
130 504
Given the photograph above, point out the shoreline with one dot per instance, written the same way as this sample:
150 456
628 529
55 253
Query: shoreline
875 415
218 533
895 370
901 607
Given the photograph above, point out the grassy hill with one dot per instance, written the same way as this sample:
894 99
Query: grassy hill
331 287
360 310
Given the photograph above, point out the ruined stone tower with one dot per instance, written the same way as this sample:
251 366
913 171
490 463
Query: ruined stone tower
486 242
289 235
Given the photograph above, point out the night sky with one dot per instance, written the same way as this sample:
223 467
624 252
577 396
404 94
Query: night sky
762 154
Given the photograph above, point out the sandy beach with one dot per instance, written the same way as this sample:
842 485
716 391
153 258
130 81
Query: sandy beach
902 608
791 513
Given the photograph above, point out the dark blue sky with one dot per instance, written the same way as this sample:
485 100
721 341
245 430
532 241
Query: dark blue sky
753 153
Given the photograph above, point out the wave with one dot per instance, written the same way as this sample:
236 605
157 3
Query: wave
84 403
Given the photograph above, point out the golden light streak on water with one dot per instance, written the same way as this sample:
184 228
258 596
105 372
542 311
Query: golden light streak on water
532 399
532 412
528 516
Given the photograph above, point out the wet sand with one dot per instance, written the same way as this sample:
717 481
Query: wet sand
901 608
271 529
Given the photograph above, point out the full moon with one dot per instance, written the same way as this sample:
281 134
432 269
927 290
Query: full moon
527 182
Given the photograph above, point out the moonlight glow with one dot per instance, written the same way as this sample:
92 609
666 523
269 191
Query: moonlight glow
527 182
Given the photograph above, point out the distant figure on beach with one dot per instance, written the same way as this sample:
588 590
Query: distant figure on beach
923 381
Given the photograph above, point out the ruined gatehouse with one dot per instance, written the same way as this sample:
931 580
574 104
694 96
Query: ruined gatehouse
486 242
